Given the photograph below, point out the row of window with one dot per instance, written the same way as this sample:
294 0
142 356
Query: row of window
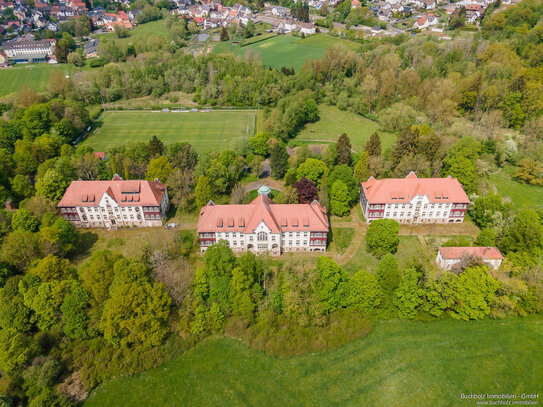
99 208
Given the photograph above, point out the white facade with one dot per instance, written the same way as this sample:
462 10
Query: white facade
448 264
29 48
419 210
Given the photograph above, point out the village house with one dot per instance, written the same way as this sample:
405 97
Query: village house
4 60
425 21
448 257
414 200
264 227
307 29
115 203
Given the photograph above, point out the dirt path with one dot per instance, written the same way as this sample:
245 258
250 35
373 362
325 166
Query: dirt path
270 182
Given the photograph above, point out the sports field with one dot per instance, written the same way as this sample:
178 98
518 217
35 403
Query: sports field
334 122
286 50
34 76
206 131
399 363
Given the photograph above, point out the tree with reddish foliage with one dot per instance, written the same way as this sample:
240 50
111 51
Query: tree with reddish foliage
307 191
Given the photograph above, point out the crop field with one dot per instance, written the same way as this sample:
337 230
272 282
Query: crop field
286 50
34 76
333 122
205 131
399 363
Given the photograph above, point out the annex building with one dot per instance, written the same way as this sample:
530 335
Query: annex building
264 226
448 257
414 200
115 203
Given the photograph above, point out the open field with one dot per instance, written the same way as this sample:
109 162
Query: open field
399 363
521 195
362 260
141 32
34 76
286 50
206 131
333 122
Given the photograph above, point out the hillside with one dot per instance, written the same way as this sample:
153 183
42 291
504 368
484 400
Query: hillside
399 364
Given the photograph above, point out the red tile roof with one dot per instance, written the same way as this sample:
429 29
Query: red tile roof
402 190
125 193
277 217
485 253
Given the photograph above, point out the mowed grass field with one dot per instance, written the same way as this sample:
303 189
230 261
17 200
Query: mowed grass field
521 195
334 122
399 363
205 131
34 76
286 50
141 32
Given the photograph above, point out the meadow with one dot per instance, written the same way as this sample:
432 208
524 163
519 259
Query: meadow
205 131
399 363
34 76
141 32
521 195
333 122
286 50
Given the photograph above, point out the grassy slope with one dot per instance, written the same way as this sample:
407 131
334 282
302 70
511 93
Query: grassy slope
205 131
408 248
521 194
399 364
28 76
142 31
286 50
333 122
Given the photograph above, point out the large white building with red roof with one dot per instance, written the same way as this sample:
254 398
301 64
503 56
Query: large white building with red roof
448 257
414 200
264 226
115 203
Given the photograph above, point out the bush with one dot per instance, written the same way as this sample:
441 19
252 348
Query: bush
382 237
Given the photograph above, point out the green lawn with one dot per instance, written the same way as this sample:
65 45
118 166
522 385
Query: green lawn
333 122
342 238
29 76
521 195
362 260
398 364
141 32
206 131
286 50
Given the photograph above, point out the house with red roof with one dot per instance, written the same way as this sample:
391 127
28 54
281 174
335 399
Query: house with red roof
449 257
414 200
263 226
115 203
425 21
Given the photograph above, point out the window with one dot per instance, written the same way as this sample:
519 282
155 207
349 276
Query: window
297 243
250 238
262 236
273 238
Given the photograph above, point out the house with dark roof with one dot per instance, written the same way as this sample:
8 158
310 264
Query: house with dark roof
115 203
263 226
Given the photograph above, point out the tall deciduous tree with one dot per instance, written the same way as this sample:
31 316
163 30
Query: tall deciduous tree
202 191
362 168
339 199
382 237
314 170
307 192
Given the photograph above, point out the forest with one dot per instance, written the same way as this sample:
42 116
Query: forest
71 319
